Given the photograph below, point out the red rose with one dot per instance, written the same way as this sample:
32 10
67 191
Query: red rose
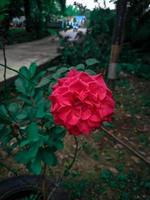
81 102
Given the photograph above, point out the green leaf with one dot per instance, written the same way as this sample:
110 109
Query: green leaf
31 111
52 69
50 142
20 86
36 166
58 130
59 145
22 115
3 111
13 107
80 67
43 139
44 81
40 75
70 68
89 71
24 143
56 76
33 68
22 157
27 155
52 83
32 132
49 158
108 124
39 97
1 126
91 61
49 116
40 111
25 72
25 99
6 136
62 70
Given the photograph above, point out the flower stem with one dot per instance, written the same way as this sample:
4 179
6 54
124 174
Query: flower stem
66 171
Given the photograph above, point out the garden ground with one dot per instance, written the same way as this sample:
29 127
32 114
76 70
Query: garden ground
104 168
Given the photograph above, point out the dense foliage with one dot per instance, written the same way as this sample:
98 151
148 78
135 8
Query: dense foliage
27 129
72 11
37 13
135 49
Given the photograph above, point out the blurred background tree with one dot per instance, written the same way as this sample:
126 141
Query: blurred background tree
35 12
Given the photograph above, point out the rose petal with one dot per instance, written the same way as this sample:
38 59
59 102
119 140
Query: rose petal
64 113
61 90
102 93
85 113
83 127
72 72
58 120
74 130
107 107
78 86
54 107
77 110
82 95
95 117
99 80
85 77
72 119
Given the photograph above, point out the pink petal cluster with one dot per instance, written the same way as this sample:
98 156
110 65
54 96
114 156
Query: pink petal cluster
81 102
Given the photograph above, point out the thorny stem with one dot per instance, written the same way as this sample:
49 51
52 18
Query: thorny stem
14 70
5 64
74 157
11 69
126 146
5 70
66 171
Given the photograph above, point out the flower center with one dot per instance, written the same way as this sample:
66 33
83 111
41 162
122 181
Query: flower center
77 102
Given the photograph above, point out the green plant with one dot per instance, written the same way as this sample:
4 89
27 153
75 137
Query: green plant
128 185
122 185
28 123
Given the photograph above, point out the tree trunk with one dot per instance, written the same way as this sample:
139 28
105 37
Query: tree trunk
39 24
27 12
117 40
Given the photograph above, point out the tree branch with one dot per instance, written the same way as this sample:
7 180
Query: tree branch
126 145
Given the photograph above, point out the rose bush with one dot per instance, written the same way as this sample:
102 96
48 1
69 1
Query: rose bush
81 102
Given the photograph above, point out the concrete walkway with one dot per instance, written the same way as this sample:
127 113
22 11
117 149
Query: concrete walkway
40 51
